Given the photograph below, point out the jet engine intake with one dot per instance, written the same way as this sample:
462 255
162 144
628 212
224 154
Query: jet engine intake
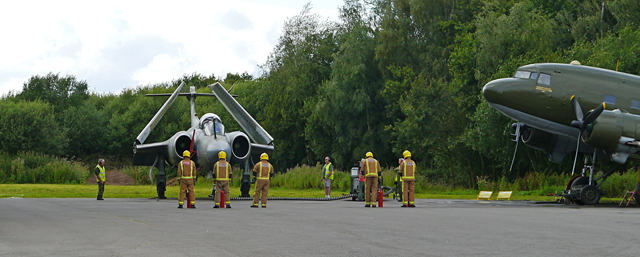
178 143
240 146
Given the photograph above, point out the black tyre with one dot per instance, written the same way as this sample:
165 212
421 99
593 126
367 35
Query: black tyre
590 195
578 184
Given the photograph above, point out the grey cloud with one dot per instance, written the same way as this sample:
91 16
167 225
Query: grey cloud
235 20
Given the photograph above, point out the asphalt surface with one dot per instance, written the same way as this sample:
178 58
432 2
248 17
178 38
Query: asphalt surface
147 227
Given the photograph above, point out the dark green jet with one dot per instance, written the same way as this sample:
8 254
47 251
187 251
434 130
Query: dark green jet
549 102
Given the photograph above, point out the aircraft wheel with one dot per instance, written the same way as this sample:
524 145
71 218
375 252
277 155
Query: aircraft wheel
579 183
590 195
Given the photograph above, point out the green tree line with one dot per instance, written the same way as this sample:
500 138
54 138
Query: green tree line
389 75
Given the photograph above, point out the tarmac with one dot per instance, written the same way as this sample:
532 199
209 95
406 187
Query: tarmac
148 227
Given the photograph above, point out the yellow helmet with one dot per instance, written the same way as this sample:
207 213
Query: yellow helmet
264 156
369 154
406 153
186 153
222 155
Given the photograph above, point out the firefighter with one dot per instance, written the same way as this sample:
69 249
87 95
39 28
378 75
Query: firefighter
371 170
408 170
101 178
263 172
187 175
222 175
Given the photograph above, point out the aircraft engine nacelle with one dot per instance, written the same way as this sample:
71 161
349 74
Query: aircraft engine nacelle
240 146
612 131
178 143
538 139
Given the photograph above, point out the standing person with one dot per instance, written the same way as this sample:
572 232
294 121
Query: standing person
371 169
408 170
327 176
187 175
101 178
264 172
222 175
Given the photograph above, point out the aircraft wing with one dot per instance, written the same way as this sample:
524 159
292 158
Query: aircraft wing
145 154
248 124
260 148
156 118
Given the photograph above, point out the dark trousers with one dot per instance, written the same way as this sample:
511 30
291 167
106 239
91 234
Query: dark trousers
100 190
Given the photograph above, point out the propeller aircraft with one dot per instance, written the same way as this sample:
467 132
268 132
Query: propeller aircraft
205 139
548 102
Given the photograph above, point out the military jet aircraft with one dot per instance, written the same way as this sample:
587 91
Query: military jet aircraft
205 138
548 101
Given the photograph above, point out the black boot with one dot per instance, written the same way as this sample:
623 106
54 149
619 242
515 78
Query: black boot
216 206
180 206
193 206
228 206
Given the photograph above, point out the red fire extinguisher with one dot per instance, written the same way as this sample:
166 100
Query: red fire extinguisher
380 197
188 202
221 198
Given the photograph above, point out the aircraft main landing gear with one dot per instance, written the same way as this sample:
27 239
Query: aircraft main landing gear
583 189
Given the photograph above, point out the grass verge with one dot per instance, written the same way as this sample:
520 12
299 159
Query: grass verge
204 189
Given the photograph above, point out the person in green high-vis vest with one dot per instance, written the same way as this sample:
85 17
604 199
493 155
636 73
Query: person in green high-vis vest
101 178
327 176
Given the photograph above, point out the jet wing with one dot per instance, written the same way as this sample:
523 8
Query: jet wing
248 124
145 154
156 118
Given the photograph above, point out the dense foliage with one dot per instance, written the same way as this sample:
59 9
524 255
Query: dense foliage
389 75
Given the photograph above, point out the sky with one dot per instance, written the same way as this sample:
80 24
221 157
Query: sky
123 44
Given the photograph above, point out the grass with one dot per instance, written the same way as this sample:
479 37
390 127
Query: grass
204 189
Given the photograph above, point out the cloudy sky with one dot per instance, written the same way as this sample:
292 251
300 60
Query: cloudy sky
122 44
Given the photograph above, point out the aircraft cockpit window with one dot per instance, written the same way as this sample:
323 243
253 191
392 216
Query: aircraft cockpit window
635 104
522 74
544 79
534 75
210 126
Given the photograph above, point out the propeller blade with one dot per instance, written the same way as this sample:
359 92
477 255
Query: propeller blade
513 159
577 151
594 114
576 108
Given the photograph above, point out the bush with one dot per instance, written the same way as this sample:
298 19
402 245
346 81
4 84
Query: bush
31 167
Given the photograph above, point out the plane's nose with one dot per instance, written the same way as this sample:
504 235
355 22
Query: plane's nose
492 90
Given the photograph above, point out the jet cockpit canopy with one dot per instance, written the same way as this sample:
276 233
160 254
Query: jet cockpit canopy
210 124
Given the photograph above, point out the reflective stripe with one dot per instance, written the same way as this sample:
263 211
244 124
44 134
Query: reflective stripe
375 168
261 174
102 175
226 171
327 170
408 169
191 169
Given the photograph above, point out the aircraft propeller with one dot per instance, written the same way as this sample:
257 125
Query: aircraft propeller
582 122
517 127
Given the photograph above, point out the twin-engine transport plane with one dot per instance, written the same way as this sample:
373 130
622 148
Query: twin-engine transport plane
204 139
548 101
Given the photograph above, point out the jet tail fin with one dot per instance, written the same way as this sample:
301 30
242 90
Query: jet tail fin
248 124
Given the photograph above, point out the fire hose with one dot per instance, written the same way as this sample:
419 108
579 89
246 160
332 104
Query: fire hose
390 190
